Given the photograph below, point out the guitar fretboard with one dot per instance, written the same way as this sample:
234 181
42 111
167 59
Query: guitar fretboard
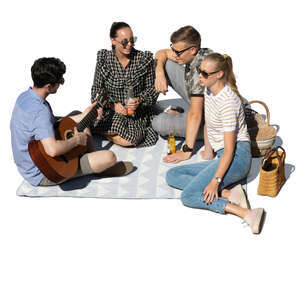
90 117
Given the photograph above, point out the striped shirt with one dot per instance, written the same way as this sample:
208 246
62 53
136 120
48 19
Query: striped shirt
224 113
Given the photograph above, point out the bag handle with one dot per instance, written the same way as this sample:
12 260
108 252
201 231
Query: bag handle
283 152
275 150
264 105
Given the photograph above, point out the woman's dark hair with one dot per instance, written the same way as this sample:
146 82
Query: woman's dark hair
115 27
47 70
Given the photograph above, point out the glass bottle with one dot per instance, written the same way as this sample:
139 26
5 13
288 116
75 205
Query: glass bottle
171 143
130 95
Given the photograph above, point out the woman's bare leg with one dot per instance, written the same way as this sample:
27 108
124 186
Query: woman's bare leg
237 210
225 194
236 196
253 217
116 139
232 208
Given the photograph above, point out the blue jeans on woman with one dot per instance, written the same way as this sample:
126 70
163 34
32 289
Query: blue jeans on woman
194 178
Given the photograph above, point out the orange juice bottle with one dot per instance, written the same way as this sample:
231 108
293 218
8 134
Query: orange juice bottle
130 95
171 142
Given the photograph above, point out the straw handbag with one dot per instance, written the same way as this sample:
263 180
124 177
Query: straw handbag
262 134
271 175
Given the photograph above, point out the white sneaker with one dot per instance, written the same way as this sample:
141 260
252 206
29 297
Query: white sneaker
238 197
254 219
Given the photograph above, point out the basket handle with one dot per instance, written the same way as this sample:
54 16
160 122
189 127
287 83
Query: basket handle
283 152
275 150
264 105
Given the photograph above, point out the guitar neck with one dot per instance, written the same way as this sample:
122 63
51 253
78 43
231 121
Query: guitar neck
90 117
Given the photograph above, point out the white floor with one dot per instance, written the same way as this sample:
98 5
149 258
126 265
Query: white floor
149 249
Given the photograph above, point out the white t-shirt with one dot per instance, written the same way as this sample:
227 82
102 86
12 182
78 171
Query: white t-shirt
224 112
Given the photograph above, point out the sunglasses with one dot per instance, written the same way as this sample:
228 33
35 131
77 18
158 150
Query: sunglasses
205 74
178 53
125 42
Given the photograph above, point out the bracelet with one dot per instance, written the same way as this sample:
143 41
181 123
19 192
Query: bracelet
169 107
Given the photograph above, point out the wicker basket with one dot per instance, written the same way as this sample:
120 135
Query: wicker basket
271 175
262 134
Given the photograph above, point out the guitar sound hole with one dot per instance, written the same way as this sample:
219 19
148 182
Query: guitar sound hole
69 134
64 158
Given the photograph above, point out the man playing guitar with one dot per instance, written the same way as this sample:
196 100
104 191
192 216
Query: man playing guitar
32 119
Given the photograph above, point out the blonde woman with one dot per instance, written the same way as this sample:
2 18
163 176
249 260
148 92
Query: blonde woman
205 185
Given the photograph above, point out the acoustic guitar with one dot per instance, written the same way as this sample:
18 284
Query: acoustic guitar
64 166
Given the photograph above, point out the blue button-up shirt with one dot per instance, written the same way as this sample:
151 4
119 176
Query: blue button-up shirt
32 118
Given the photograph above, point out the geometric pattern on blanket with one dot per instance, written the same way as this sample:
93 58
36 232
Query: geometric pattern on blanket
146 182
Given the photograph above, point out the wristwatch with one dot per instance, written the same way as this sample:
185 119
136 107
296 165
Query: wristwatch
218 179
186 148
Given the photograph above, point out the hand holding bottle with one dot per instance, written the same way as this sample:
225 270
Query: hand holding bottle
131 101
131 105
120 109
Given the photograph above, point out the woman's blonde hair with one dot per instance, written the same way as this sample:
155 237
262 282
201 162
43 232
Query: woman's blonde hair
224 63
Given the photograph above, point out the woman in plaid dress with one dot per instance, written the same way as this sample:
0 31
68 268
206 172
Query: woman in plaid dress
117 70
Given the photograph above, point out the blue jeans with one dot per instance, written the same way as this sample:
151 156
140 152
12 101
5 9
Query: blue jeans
194 178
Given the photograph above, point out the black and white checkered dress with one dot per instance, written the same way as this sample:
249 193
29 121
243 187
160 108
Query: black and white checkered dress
112 78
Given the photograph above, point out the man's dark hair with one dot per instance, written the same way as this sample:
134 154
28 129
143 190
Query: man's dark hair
47 70
187 34
115 27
